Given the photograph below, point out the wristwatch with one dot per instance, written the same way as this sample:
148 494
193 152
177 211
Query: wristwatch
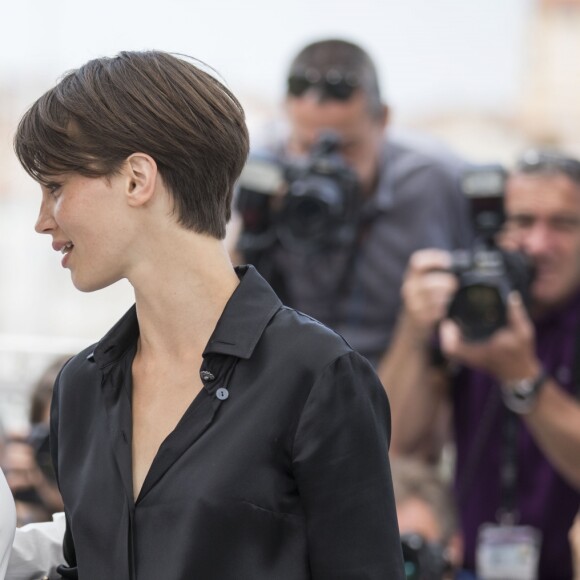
520 396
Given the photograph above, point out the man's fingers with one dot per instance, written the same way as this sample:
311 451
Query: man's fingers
455 347
450 337
518 318
427 297
430 259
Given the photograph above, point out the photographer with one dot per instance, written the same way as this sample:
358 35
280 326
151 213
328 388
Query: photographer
513 396
331 215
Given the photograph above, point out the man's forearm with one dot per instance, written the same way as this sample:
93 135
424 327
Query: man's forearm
555 424
416 397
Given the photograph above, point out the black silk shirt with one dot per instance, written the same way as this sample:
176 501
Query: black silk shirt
277 471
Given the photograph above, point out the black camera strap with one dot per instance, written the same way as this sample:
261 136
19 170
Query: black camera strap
272 265
344 288
349 273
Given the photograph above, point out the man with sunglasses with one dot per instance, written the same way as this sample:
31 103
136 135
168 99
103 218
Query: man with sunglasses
513 398
405 200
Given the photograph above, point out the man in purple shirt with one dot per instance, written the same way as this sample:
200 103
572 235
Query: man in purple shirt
513 397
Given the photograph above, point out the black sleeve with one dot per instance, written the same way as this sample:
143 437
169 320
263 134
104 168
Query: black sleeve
341 465
69 571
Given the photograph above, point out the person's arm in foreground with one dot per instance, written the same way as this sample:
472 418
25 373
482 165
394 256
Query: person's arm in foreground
37 550
417 391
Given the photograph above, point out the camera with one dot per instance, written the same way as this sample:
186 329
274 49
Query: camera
423 560
303 205
487 274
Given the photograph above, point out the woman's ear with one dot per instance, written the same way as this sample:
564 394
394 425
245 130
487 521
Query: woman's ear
141 173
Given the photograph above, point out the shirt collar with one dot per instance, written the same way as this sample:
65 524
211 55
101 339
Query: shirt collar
246 315
240 327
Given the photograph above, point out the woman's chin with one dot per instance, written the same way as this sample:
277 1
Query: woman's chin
88 285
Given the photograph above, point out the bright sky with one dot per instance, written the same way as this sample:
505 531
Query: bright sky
431 53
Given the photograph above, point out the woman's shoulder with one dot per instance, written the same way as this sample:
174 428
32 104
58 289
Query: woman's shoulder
303 340
78 376
78 362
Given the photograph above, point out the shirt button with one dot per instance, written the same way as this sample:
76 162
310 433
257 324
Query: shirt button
222 394
206 376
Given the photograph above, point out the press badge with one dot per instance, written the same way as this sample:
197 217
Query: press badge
507 552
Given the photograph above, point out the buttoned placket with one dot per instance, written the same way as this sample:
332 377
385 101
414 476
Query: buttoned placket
222 393
195 421
218 379
198 417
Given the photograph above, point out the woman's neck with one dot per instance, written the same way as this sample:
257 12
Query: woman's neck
181 292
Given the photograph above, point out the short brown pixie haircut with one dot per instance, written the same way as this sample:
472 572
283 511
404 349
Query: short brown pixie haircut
150 102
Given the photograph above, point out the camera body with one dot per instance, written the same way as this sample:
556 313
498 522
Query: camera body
487 274
423 560
304 205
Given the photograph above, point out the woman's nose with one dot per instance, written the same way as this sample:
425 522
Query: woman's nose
45 222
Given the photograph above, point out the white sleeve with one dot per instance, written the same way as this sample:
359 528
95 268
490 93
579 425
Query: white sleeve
37 550
7 523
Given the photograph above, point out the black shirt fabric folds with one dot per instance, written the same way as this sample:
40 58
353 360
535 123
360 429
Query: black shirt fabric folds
278 470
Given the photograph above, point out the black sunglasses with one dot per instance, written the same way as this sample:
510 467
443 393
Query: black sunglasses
541 160
333 84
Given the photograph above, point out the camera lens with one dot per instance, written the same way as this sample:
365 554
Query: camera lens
313 206
423 560
478 310
411 561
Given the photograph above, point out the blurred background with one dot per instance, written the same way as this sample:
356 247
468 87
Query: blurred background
486 77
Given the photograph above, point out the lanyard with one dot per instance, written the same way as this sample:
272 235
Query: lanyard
483 432
509 455
508 512
509 468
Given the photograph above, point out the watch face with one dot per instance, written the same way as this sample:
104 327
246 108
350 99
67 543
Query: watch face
520 397
523 389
